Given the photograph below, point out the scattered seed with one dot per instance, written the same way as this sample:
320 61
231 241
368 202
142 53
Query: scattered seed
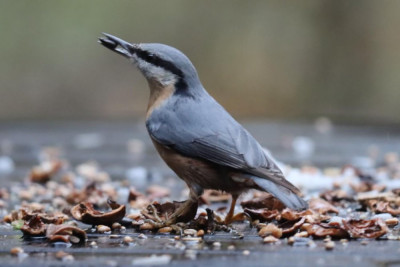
392 222
74 239
165 230
142 236
327 239
103 229
330 245
291 240
231 247
270 229
200 233
116 225
364 242
216 244
246 252
127 239
270 239
93 244
61 255
146 226
191 232
302 234
16 250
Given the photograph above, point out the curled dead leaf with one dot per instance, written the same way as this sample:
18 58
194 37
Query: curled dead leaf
365 228
266 200
336 196
85 213
264 215
157 211
321 206
325 229
65 233
43 172
383 207
292 215
34 227
290 227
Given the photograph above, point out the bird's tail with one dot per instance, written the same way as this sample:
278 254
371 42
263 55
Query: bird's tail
284 194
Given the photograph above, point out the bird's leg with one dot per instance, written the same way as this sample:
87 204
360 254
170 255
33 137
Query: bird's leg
230 217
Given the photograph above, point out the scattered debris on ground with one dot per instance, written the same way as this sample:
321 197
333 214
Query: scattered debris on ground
54 197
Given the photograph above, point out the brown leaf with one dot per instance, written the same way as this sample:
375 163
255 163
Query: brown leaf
321 206
34 227
324 229
44 172
292 215
64 233
265 201
262 214
290 227
383 207
85 213
365 228
165 210
335 196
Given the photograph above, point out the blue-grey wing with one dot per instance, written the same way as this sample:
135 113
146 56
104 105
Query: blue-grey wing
203 129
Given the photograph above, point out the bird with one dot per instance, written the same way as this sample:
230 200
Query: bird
196 137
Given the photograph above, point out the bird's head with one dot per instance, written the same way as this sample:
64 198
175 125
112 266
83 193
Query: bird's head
159 63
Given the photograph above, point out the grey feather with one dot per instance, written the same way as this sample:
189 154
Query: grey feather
201 128
287 197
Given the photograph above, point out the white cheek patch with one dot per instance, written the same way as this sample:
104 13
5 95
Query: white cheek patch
161 75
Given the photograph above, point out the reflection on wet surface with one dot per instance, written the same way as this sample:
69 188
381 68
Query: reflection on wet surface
124 152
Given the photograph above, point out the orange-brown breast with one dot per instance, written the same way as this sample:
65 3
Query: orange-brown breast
200 172
158 94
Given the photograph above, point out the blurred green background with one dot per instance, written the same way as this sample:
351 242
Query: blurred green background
260 59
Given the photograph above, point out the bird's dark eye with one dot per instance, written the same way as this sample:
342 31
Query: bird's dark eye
150 56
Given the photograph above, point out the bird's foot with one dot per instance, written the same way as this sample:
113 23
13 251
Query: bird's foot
230 218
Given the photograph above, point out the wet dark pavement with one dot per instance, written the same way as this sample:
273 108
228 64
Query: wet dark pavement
120 146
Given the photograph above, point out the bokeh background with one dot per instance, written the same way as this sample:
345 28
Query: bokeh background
289 60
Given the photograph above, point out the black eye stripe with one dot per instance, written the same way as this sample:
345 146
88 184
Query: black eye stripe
159 62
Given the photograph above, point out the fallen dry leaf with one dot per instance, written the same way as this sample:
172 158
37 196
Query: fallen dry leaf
383 207
324 230
34 227
321 206
365 228
85 213
264 215
292 215
264 201
65 233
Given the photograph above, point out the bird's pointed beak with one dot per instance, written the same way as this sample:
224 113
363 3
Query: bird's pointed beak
117 45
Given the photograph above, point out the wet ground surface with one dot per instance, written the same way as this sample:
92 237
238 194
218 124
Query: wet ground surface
124 151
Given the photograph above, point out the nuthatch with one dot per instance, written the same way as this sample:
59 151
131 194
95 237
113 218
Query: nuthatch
197 138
